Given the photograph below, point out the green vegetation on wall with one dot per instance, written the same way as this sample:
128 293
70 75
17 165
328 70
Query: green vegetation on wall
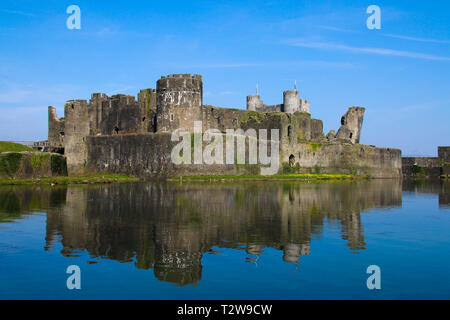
417 169
9 163
36 161
287 169
314 146
257 116
58 165
299 134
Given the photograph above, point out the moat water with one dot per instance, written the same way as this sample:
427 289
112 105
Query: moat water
255 240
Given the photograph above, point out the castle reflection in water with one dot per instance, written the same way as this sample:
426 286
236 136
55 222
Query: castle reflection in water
168 227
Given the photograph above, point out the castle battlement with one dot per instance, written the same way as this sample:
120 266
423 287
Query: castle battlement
291 103
183 75
77 101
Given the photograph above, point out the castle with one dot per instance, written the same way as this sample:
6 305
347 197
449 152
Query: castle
120 134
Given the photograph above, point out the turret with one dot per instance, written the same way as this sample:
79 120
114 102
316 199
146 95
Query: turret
254 102
76 131
178 102
291 101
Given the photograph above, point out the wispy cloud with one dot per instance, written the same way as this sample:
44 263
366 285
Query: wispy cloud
378 51
110 32
390 35
417 39
331 28
304 63
22 13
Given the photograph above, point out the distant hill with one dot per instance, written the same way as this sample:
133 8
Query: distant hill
6 146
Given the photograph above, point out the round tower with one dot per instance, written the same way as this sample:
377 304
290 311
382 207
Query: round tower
179 98
291 101
254 102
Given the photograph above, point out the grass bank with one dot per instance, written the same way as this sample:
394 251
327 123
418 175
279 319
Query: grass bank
276 177
6 146
82 179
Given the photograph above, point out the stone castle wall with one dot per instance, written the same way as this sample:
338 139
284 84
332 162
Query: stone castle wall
427 166
444 154
271 108
122 114
29 165
149 155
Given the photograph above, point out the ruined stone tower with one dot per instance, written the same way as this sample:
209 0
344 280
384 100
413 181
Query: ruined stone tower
254 102
291 101
179 98
55 131
76 131
351 124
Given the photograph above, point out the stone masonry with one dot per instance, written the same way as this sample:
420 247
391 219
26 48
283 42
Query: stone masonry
428 166
123 135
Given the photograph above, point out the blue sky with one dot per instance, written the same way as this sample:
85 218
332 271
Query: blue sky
401 73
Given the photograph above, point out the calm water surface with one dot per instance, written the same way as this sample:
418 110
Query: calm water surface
277 240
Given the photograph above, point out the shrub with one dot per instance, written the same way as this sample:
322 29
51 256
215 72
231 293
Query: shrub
287 169
417 169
